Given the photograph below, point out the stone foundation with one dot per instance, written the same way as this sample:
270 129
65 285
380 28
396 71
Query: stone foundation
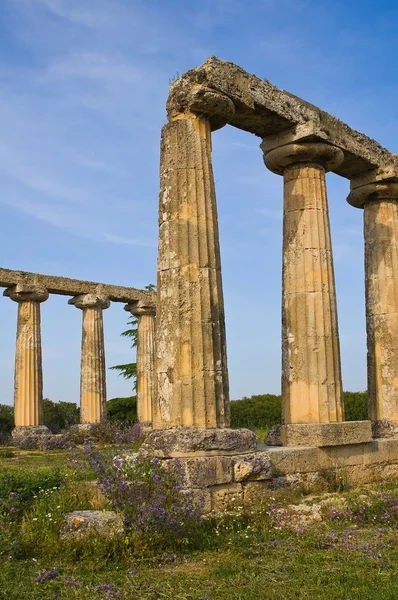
229 481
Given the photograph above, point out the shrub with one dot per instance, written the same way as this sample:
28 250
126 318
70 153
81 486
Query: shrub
60 415
356 406
106 432
122 409
153 496
258 411
6 420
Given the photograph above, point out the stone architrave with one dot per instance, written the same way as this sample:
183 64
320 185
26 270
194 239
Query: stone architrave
192 376
145 359
28 390
92 373
380 203
311 374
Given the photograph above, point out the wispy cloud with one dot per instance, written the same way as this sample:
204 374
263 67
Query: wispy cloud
92 66
115 239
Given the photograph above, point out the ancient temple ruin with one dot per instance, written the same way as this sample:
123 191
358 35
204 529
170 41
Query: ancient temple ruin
183 376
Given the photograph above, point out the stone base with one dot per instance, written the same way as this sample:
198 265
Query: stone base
326 434
30 430
385 428
191 441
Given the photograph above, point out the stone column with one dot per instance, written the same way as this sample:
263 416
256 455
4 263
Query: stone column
92 374
192 376
311 373
28 389
145 360
380 203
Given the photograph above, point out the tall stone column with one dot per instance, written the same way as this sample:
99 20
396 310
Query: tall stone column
192 376
191 412
311 373
28 388
145 360
92 373
380 203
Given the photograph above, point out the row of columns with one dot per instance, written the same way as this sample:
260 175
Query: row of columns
28 385
192 376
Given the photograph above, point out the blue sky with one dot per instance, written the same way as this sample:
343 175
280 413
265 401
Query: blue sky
83 86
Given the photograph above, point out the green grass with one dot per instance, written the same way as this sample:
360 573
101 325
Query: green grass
350 555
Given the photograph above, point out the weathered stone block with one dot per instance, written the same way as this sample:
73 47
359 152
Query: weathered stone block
381 451
226 497
341 456
207 471
274 436
282 460
252 466
31 430
385 428
80 523
183 441
326 434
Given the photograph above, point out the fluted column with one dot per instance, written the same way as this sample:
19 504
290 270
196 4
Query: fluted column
192 376
28 383
92 373
380 203
311 374
145 359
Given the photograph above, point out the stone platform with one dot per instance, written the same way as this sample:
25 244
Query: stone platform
231 480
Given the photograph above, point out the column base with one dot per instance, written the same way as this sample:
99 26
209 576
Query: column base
385 428
326 434
30 430
191 441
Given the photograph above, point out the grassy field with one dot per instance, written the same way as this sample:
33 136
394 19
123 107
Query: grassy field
338 546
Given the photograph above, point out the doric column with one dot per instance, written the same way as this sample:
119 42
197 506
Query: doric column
192 376
28 390
92 373
311 375
380 203
145 359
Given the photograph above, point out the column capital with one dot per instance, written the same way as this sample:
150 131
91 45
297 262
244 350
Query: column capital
20 293
375 190
90 301
201 101
277 159
139 309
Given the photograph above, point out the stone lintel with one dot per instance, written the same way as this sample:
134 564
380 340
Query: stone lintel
184 441
263 109
326 434
74 287
30 431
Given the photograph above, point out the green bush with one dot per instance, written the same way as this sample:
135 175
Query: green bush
356 406
257 411
6 419
265 410
122 409
59 415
